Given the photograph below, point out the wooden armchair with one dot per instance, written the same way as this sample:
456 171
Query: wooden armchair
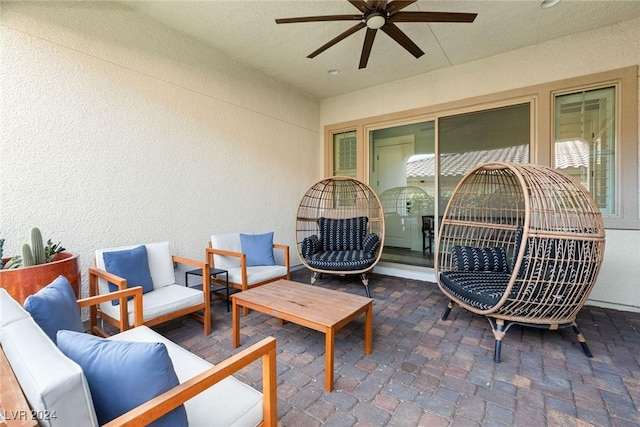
165 300
225 252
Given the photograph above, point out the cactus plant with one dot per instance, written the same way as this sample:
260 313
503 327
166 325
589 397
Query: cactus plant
35 254
37 247
27 256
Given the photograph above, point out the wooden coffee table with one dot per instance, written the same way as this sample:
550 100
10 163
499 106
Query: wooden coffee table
323 310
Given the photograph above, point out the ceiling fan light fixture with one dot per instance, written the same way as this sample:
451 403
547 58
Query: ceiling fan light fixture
545 4
375 20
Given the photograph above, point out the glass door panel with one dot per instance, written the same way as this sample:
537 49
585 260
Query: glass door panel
468 140
396 172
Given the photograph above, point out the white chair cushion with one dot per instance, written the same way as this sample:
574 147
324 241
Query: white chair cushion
228 403
10 310
159 302
228 242
158 257
49 380
257 274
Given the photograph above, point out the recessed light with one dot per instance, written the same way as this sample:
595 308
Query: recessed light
544 4
333 72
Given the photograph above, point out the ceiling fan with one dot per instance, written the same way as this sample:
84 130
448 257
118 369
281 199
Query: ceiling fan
383 15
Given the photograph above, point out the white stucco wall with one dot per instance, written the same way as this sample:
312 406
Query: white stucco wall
116 130
600 50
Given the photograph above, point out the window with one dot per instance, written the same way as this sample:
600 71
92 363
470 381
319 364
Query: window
585 142
345 154
585 126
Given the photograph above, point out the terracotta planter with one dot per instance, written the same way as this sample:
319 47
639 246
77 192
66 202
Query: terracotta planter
24 281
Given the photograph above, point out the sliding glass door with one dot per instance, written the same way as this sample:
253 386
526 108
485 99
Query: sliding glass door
414 168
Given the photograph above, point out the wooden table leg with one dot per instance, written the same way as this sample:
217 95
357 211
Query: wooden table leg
328 359
368 329
235 322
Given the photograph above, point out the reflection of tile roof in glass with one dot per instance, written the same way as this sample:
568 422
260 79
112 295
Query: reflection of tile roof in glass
570 153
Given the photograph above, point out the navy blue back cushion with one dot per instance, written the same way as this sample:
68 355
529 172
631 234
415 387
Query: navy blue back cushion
466 258
342 234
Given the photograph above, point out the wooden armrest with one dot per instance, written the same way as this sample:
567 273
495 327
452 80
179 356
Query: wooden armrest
285 249
205 272
214 251
188 261
95 274
210 252
171 399
136 293
13 404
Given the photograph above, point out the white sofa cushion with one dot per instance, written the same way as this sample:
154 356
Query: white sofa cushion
228 242
228 403
257 274
159 259
49 380
10 310
159 302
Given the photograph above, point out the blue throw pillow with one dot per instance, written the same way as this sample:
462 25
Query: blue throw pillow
258 248
123 375
54 307
130 264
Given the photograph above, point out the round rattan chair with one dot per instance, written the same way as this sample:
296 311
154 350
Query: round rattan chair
340 228
520 244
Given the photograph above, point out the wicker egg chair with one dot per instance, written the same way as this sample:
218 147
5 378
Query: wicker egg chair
340 228
520 244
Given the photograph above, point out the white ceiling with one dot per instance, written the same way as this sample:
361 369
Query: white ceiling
246 31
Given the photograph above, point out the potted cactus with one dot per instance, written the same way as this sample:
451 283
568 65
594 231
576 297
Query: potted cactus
38 266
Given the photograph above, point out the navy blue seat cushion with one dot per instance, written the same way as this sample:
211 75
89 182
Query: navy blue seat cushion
479 289
342 234
466 258
341 260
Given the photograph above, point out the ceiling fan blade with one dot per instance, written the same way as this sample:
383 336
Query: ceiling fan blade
396 6
402 39
377 4
335 40
319 18
366 48
433 17
362 6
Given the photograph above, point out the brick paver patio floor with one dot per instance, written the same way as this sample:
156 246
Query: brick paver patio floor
427 372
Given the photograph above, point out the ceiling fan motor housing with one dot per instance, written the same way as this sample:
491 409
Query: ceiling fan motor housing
375 20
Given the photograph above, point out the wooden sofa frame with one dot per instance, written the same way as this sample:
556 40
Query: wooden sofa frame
14 402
